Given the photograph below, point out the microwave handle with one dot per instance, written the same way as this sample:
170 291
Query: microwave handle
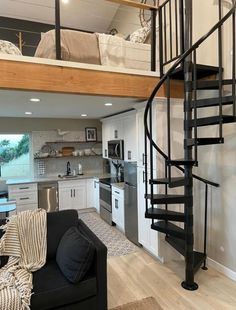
116 149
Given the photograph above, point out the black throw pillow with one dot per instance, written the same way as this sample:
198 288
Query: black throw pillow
74 255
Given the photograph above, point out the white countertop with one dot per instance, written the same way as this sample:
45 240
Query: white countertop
120 185
56 178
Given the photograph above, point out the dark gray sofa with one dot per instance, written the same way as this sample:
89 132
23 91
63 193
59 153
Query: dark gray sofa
51 290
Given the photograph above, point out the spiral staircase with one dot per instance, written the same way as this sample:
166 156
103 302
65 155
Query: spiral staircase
178 227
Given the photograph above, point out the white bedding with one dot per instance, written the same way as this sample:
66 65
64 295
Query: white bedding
117 52
7 47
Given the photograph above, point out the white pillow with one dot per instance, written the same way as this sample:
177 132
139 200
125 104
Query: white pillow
139 35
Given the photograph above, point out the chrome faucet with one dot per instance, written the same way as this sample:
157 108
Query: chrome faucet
68 170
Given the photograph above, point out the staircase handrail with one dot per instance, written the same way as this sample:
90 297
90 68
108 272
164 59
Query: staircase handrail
168 73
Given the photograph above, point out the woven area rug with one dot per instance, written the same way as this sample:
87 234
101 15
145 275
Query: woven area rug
116 242
148 303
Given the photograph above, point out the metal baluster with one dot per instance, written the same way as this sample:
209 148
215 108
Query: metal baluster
176 29
165 39
161 42
220 60
233 63
205 226
151 150
145 166
57 30
170 21
153 39
168 127
195 103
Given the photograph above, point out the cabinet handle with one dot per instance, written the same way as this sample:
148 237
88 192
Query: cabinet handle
143 159
116 204
129 155
94 184
74 192
71 193
117 192
143 176
23 187
105 153
116 134
24 198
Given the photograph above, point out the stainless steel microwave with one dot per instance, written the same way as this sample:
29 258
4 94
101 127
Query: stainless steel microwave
116 149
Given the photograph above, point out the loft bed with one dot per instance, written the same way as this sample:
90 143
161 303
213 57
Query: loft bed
55 75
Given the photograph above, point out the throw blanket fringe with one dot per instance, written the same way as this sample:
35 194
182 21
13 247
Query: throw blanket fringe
25 243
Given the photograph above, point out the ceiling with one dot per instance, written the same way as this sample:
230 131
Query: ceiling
90 15
54 105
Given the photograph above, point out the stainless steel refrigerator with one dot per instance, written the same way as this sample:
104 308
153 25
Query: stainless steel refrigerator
131 205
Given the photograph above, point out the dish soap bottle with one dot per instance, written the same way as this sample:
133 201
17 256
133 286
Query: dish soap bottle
80 170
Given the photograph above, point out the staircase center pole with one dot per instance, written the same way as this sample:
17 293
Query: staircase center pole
189 283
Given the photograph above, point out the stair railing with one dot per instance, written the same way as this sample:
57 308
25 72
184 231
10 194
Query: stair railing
167 75
171 32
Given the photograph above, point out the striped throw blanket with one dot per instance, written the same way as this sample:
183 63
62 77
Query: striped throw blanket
25 243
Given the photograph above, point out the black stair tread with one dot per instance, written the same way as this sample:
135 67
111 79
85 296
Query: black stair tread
213 120
161 214
212 84
169 228
198 259
202 72
212 102
174 182
177 244
167 199
205 141
181 162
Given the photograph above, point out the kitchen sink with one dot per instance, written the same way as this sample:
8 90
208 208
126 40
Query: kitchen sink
67 176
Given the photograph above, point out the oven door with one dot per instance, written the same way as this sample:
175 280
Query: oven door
105 196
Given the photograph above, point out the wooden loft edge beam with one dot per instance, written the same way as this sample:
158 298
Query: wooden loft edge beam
58 79
135 4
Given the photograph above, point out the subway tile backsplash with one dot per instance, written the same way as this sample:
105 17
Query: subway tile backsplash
55 166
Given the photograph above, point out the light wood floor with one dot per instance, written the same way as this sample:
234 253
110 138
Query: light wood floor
138 275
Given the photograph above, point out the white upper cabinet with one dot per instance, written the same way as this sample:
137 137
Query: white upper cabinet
121 127
130 134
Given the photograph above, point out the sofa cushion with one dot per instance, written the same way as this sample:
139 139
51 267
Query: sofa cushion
57 224
74 255
51 289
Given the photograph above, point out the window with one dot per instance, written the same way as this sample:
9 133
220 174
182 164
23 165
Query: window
14 155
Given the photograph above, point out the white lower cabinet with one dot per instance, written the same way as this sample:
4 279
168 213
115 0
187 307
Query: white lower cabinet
96 194
25 195
118 207
147 236
72 194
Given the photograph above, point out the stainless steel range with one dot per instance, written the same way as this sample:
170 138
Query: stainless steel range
105 198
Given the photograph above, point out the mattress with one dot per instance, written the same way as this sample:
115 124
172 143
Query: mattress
95 48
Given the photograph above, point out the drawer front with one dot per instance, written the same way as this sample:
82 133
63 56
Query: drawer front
117 191
70 184
27 187
24 198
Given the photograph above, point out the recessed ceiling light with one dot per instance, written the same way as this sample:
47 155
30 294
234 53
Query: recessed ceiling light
84 115
34 99
28 113
108 104
65 1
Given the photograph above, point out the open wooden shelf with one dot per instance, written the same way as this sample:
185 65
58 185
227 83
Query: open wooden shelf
59 157
63 141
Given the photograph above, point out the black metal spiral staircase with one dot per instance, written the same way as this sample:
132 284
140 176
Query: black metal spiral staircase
196 77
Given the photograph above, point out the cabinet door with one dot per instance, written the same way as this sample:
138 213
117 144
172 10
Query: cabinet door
130 133
147 236
140 139
65 198
96 195
79 195
21 208
90 193
105 138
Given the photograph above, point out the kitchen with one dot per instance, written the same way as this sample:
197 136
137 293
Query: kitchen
82 191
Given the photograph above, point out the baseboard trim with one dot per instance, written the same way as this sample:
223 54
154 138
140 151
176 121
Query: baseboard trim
222 269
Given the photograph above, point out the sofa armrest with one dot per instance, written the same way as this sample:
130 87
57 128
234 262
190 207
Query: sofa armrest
100 264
